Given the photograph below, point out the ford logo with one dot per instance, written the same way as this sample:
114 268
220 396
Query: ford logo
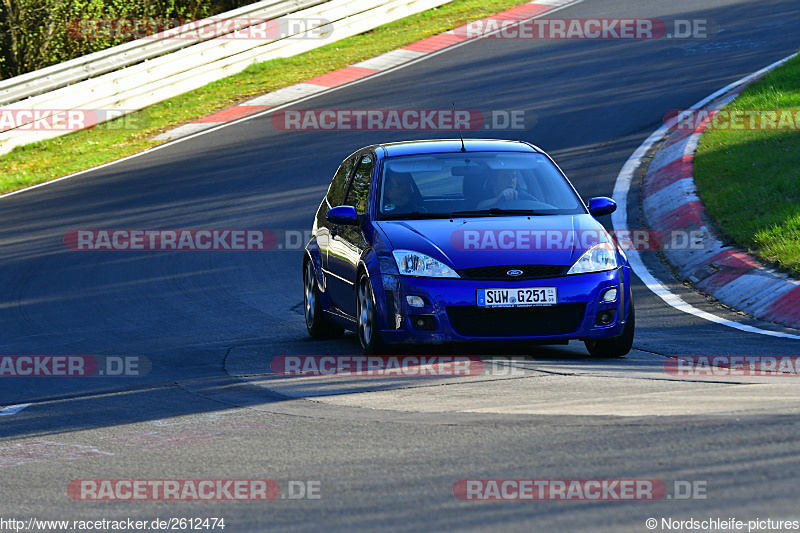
514 272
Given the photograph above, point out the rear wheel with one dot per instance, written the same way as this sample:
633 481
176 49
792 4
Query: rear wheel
368 334
318 325
615 346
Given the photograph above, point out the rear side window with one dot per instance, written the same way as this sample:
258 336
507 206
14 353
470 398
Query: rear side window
340 181
358 196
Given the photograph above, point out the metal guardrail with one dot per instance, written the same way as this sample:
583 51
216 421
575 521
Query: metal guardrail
127 54
143 83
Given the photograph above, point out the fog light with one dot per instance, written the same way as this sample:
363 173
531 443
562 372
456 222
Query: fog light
423 323
415 301
609 296
605 318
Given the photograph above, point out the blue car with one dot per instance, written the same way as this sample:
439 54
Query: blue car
440 241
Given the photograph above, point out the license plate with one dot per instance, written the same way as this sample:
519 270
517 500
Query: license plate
522 297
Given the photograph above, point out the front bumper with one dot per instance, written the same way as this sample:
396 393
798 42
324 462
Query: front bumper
451 314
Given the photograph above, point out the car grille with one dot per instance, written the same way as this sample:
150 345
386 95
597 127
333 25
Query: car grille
516 321
501 272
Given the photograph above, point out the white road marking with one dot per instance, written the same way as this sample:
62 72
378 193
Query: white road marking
9 410
619 219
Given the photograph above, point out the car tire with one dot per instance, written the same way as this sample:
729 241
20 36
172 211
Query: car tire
319 326
369 335
615 346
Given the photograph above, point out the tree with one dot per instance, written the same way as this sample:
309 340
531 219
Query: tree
38 33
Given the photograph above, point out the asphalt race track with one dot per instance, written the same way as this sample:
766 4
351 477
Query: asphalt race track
374 454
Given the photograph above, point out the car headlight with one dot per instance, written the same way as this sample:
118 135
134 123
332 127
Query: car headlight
416 264
599 257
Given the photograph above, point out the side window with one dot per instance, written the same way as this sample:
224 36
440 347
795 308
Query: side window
340 181
358 195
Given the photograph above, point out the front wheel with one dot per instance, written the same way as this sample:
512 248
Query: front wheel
368 334
319 326
615 346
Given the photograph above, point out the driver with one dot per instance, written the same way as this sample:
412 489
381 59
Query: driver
502 187
399 195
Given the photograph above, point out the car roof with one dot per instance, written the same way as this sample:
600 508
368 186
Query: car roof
436 146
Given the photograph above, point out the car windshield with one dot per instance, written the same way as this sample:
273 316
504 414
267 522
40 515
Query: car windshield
474 184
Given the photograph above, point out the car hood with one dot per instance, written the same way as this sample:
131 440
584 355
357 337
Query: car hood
491 241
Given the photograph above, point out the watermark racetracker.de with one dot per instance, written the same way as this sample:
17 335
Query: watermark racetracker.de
733 366
192 240
73 366
625 29
578 490
248 29
192 490
734 119
378 365
403 119
70 119
514 239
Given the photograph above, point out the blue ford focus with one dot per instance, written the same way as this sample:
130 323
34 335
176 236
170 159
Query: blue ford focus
456 241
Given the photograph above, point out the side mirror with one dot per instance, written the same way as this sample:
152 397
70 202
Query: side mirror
601 205
343 214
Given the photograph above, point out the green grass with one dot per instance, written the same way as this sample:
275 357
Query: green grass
749 180
46 160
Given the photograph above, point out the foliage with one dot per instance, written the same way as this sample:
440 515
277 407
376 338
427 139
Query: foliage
749 179
39 33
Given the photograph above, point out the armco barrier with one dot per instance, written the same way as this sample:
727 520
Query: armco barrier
148 82
127 54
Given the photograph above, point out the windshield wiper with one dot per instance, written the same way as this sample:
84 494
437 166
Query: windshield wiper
496 211
413 215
